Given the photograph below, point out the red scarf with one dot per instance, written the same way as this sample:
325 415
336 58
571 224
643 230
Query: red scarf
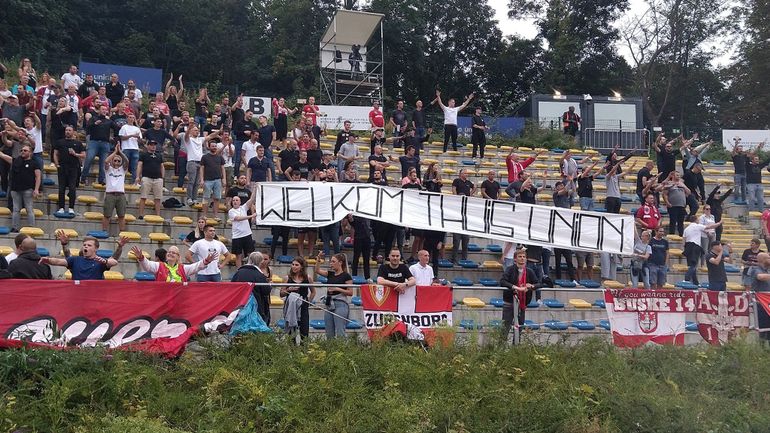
522 283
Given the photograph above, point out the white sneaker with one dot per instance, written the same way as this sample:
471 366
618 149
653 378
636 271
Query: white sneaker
61 210
71 211
189 202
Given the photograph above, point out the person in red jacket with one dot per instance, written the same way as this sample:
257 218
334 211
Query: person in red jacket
172 270
515 167
648 215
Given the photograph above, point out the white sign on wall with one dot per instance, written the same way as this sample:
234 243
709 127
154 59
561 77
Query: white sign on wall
258 105
333 117
750 138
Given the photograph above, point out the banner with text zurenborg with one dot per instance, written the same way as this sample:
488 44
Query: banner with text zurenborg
316 204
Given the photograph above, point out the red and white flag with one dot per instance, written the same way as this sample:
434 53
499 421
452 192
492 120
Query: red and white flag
425 308
721 314
641 316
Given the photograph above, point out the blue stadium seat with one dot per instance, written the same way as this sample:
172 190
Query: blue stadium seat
528 324
504 184
633 210
599 303
583 325
353 324
600 177
101 234
489 282
321 279
454 302
732 269
553 303
533 304
43 252
663 210
495 323
144 276
565 283
468 264
48 182
359 279
470 324
104 253
468 162
461 281
497 302
64 215
495 248
626 199
590 284
474 248
268 240
604 323
356 300
4 230
600 209
182 236
557 150
318 324
556 325
740 202
686 285
280 323
718 162
444 263
703 285
3 194
286 260
690 326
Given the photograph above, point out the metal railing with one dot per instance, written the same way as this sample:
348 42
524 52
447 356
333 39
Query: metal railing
605 139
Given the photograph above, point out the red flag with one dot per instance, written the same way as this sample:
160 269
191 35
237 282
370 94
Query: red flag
641 316
721 314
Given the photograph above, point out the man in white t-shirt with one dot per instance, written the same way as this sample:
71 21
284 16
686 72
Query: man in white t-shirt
242 242
226 148
17 243
137 94
202 248
249 150
450 118
35 134
193 145
130 134
71 78
115 192
692 249
422 271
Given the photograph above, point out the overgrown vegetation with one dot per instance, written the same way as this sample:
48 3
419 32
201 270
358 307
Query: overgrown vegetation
264 384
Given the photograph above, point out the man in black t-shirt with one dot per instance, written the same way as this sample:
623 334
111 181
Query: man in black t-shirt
408 162
212 178
398 120
418 119
243 129
715 264
240 190
394 273
315 155
158 134
342 137
378 161
151 171
68 153
267 137
490 188
289 156
378 139
302 167
24 186
461 186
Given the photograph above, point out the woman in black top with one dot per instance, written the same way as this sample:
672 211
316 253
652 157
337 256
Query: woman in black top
336 297
432 180
479 135
298 275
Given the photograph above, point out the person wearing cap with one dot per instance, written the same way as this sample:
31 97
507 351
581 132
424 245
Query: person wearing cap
12 110
115 193
150 171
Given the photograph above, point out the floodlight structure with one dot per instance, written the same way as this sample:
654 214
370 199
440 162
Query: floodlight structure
352 58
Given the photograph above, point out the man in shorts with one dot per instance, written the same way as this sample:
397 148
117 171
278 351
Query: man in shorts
585 265
115 193
151 171
212 175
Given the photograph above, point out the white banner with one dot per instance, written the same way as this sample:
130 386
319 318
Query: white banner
316 204
334 116
750 138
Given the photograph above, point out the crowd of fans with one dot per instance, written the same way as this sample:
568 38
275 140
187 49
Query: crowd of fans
223 149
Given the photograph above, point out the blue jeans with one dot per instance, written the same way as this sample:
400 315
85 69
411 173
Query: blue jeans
331 233
756 196
740 187
22 199
237 158
39 158
645 277
271 163
420 132
335 326
95 147
586 203
133 161
718 286
213 278
201 121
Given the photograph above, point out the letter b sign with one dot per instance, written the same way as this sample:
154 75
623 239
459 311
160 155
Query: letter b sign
258 106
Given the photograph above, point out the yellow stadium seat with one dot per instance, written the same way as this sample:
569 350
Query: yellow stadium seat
181 220
130 218
32 231
73 252
579 303
436 152
179 190
474 302
449 171
437 143
276 279
675 252
612 284
169 165
521 149
491 264
276 301
53 196
93 216
87 199
331 137
67 275
487 164
212 222
69 232
113 276
159 237
755 214
734 286
453 153
132 256
450 162
98 186
448 247
5 250
38 213
508 148
131 187
50 169
154 219
675 238
310 261
678 267
134 236
4 211
197 206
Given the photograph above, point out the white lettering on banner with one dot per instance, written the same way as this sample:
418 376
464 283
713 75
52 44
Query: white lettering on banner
258 105
378 319
318 204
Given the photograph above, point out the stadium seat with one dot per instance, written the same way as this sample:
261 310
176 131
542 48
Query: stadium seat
686 285
132 256
64 215
67 275
4 211
318 324
474 302
461 281
679 267
5 250
43 252
181 220
565 283
674 238
159 237
533 304
599 303
98 234
87 199
468 264
276 301
469 324
285 259
612 284
690 326
474 248
48 182
732 269
93 216
529 324
113 276
496 302
134 236
268 240
154 219
734 287
703 286
4 230
556 325
675 252
605 324
495 323
356 300
444 263
144 276
280 324
492 264
583 325
276 279
34 232
38 213
353 324
495 248
489 282
359 279
553 303
590 284
321 279
579 303
72 234
104 253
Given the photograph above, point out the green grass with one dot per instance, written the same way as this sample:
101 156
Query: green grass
263 384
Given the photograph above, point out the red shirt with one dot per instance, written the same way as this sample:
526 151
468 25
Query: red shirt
163 107
375 117
766 220
650 215
514 168
310 111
